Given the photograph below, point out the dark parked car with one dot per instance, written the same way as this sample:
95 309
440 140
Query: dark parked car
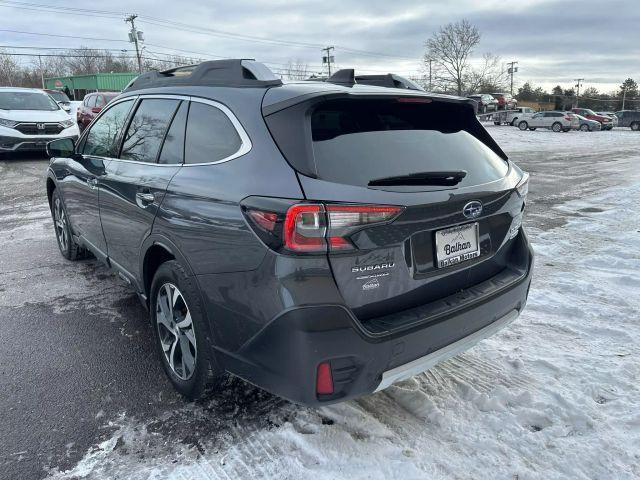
486 103
505 101
629 118
91 106
269 235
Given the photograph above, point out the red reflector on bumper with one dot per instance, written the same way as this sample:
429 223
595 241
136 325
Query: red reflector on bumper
324 381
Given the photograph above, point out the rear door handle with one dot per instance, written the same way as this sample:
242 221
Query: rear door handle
145 199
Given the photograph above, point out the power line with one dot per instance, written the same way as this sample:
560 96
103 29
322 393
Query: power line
188 27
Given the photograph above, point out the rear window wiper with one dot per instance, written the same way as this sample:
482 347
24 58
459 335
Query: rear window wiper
446 179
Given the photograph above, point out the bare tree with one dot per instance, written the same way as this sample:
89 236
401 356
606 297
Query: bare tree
10 71
450 49
296 70
490 76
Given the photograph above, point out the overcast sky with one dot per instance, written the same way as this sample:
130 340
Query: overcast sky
554 41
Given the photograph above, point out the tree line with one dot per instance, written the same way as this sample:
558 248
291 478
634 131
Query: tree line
78 61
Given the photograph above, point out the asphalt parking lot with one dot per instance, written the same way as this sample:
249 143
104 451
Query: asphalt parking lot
76 345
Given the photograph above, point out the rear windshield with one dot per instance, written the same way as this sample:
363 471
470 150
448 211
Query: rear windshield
59 96
356 141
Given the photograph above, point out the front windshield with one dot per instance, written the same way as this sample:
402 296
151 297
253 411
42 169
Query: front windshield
27 101
59 96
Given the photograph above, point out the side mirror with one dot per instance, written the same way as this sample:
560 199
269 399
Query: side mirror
61 147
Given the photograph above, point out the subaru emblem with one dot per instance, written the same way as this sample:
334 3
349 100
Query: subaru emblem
472 209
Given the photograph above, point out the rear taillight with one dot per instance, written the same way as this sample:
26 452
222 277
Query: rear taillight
314 227
345 219
305 228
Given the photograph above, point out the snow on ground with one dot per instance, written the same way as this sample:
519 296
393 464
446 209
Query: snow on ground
555 395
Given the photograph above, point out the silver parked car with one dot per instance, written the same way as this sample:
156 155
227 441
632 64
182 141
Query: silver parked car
554 120
587 125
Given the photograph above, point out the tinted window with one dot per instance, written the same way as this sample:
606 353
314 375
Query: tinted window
356 141
210 135
92 101
147 128
103 137
173 147
99 101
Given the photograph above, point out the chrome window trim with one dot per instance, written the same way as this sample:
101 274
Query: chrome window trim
245 145
108 107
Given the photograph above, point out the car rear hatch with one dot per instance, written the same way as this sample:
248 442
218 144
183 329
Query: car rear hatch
421 204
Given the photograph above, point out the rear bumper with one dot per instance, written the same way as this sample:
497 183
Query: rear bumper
284 356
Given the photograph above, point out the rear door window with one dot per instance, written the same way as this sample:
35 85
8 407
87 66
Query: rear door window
173 147
147 129
210 137
356 141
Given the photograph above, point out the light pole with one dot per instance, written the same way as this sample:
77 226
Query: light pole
579 80
511 70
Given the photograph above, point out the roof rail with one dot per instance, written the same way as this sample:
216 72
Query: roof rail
221 73
348 78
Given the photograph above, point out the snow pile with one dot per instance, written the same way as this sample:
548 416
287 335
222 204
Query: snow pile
555 395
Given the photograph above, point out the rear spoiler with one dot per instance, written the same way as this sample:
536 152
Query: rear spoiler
348 78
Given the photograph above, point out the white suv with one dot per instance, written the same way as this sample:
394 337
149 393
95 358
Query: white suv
29 118
556 121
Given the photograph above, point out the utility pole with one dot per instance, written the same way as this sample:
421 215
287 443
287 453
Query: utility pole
133 37
511 70
579 82
430 60
624 95
42 71
328 59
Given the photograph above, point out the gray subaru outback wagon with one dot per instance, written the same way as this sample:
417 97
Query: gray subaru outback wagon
319 239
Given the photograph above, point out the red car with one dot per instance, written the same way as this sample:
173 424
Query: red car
93 104
606 123
505 101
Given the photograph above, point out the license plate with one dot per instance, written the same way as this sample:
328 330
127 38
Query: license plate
457 244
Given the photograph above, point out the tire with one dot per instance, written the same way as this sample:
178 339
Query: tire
523 125
497 123
183 344
67 245
584 128
635 126
556 127
533 129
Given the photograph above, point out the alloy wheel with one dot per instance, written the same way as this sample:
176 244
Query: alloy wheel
60 222
175 330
